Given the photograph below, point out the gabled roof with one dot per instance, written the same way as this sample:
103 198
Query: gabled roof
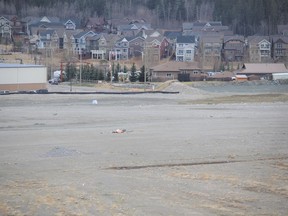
174 66
129 39
172 34
212 39
254 68
5 19
83 34
233 38
256 39
46 32
279 38
185 39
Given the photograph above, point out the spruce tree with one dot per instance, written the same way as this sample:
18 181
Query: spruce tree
133 75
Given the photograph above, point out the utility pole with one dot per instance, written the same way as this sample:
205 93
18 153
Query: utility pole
80 78
145 64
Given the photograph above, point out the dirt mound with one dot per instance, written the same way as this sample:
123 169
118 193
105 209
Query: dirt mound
184 89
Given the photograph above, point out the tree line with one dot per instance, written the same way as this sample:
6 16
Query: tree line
93 73
244 17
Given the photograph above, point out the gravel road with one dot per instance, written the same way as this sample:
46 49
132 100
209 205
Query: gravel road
59 155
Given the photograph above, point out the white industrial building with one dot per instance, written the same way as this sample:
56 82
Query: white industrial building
21 77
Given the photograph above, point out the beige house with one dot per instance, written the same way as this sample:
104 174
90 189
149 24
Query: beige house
262 70
259 49
174 70
210 51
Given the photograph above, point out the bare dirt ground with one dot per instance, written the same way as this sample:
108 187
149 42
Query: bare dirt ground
193 153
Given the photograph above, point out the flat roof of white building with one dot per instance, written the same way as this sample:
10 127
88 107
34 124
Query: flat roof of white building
3 65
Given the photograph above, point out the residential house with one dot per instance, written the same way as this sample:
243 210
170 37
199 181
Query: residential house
96 24
47 39
171 70
132 29
233 48
136 45
5 28
156 46
79 42
210 52
279 48
259 49
70 25
101 45
34 24
199 28
262 70
171 36
185 48
120 50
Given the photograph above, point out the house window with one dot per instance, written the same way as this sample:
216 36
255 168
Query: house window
180 52
279 45
279 52
195 72
168 75
188 51
125 50
265 46
180 45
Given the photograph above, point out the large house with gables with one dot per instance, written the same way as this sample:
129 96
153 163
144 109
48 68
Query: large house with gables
279 49
5 28
259 49
233 48
79 42
210 52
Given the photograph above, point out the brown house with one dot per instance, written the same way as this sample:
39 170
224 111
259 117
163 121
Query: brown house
210 51
177 70
279 50
233 48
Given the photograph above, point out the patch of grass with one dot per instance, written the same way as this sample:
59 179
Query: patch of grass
257 98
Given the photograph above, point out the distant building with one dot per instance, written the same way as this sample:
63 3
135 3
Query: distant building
185 48
200 28
233 48
21 77
279 50
259 49
262 70
184 71
210 52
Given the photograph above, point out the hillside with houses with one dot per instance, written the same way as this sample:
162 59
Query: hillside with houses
196 50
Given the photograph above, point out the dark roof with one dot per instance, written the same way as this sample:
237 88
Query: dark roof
185 39
172 34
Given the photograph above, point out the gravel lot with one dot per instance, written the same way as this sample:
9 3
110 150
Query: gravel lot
59 155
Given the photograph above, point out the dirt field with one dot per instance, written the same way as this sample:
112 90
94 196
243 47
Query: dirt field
191 153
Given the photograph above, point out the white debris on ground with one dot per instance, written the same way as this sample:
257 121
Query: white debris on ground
119 131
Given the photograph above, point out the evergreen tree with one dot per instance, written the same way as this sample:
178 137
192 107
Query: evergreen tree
70 71
117 71
142 74
125 69
133 75
100 75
